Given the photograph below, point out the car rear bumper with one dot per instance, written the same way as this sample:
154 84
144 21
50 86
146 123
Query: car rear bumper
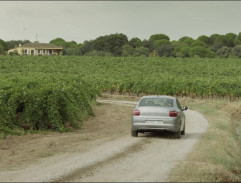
171 124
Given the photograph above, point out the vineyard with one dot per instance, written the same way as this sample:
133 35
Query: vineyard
56 92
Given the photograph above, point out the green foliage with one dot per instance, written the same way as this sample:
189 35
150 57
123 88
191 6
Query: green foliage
71 44
237 42
48 92
156 37
128 50
219 41
38 99
115 45
2 50
154 54
230 39
237 51
87 47
163 48
58 42
213 38
73 51
70 48
199 43
141 51
136 52
202 52
204 39
99 54
112 43
149 45
15 43
187 41
15 52
3 46
239 36
182 52
224 52
135 42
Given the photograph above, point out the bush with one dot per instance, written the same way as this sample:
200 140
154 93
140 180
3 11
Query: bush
15 52
237 51
99 54
224 52
202 52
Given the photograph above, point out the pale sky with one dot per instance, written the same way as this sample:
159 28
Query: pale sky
87 20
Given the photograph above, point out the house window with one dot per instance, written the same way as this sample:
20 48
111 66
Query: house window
32 52
25 51
39 51
44 52
50 52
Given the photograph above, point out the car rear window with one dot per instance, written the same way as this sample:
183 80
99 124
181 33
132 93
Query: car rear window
160 102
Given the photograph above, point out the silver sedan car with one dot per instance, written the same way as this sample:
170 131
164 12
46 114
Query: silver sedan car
158 113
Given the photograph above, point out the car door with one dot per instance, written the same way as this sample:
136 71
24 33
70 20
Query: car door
182 114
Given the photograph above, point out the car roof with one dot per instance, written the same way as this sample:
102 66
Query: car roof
158 96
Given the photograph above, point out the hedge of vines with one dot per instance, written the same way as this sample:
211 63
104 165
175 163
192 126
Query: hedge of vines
40 100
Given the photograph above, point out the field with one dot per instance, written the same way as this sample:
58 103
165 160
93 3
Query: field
39 93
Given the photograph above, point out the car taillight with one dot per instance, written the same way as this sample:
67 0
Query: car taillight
173 113
136 113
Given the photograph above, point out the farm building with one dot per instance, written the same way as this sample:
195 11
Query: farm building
37 48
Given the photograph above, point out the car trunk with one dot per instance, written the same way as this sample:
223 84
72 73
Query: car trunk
155 112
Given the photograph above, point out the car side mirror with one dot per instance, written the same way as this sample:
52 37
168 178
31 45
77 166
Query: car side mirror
184 108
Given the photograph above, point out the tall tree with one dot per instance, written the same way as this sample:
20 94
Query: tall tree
87 47
15 43
149 45
155 37
163 47
4 45
204 39
229 39
112 43
58 42
185 40
135 42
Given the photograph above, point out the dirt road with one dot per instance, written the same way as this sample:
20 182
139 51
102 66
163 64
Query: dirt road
115 155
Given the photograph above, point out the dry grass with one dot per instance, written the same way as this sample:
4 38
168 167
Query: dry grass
216 158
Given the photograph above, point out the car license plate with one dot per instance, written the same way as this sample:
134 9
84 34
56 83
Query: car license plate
154 122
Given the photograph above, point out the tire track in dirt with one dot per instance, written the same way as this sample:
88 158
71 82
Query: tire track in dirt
88 170
61 166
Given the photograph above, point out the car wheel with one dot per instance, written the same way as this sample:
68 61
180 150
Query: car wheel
178 134
183 131
134 133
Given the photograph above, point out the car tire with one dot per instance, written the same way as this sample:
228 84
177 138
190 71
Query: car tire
178 134
134 133
183 131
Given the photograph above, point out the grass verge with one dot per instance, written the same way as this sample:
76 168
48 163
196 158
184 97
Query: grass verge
216 157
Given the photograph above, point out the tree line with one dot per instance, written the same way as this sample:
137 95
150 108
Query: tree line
158 45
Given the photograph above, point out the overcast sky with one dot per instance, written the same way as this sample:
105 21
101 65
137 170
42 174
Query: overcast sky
86 20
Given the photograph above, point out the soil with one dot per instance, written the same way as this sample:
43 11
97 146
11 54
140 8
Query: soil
101 151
